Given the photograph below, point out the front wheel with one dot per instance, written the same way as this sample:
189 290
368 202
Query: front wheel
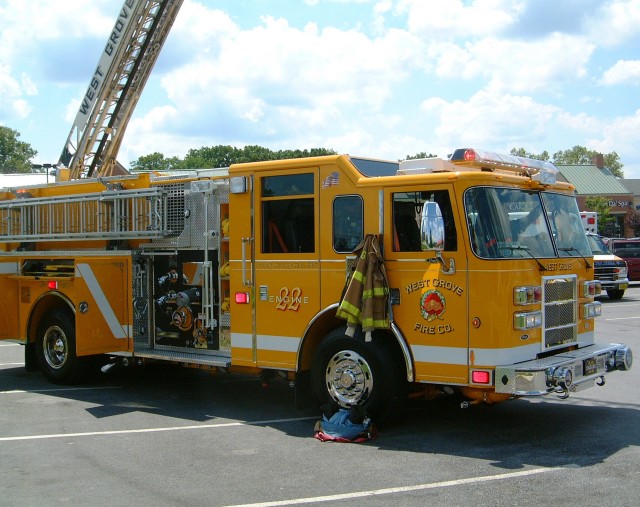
615 294
349 371
56 348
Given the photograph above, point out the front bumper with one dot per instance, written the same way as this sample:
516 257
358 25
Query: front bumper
564 372
614 284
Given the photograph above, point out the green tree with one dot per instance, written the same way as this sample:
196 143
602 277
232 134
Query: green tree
208 157
521 152
155 162
422 154
632 221
601 207
15 155
582 155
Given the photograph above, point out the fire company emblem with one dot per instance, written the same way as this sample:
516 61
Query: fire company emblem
432 305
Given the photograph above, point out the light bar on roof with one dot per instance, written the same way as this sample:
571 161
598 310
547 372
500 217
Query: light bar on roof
538 170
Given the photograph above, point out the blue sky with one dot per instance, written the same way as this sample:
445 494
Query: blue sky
375 78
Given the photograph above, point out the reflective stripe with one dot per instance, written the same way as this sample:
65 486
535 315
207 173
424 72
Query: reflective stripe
266 342
8 268
278 343
85 272
483 357
505 356
241 341
440 355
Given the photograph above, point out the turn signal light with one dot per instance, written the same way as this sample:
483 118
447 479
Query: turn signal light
591 288
527 295
53 285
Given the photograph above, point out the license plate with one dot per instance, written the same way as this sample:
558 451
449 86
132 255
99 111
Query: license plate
590 366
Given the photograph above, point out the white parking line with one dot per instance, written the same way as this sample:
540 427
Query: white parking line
403 489
622 318
55 390
152 430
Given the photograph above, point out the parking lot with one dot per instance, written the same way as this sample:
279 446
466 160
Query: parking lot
168 436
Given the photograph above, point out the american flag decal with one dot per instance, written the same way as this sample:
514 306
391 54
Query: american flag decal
331 180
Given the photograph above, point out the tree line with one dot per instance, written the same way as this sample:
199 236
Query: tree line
16 156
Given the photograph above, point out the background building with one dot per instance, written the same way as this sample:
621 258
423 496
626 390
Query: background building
595 180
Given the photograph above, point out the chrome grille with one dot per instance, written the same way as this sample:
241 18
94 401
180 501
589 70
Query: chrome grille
560 311
559 289
559 314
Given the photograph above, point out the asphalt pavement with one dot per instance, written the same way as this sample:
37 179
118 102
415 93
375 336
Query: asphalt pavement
163 436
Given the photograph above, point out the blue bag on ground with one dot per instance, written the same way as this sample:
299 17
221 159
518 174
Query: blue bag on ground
345 426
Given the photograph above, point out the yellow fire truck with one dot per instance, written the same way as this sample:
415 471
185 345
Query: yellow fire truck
473 275
488 276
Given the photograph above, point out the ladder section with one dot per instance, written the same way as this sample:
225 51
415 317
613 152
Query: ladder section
108 215
122 72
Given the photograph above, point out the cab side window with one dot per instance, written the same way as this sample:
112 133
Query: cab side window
407 209
348 219
288 224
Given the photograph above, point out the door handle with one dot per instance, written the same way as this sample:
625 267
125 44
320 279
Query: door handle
245 281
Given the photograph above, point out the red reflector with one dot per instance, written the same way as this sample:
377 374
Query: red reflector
469 155
242 298
52 285
480 377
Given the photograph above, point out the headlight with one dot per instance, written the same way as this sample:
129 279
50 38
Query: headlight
591 310
527 320
624 358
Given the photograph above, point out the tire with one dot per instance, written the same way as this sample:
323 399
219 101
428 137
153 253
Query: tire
615 294
348 371
56 349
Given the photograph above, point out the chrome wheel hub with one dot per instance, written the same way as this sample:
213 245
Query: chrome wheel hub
55 347
348 378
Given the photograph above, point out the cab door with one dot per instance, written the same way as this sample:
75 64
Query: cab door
432 309
285 262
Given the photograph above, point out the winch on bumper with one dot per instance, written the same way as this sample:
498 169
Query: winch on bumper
565 372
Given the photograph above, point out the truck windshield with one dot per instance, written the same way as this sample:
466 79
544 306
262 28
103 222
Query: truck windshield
509 222
597 245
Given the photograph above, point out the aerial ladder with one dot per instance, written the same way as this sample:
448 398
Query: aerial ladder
115 87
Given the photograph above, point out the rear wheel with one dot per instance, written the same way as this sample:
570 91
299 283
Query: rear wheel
615 294
351 372
56 349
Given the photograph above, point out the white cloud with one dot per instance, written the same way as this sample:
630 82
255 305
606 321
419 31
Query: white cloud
278 80
487 119
623 71
581 122
615 22
620 135
514 65
13 104
436 20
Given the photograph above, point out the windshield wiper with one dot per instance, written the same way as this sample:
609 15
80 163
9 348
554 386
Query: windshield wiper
572 249
524 249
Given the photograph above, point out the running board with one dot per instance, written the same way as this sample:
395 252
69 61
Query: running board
220 359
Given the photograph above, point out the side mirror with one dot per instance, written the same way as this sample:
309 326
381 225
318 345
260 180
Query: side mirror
432 228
